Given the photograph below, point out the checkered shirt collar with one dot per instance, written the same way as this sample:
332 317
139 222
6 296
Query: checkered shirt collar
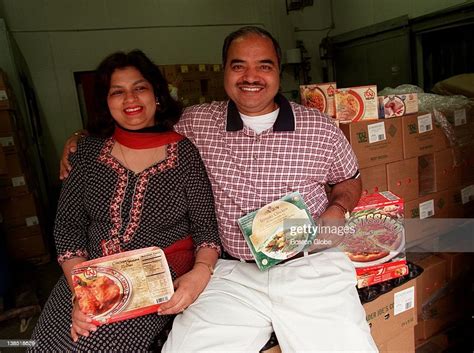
284 122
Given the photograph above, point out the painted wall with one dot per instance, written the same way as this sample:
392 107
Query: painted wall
58 37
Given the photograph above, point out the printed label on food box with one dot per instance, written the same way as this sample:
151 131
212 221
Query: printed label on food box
425 123
7 141
124 285
426 209
3 95
31 221
18 181
460 117
376 132
404 300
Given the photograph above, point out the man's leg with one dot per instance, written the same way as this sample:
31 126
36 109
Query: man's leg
317 308
231 315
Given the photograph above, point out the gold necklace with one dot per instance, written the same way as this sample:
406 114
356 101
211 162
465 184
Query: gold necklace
123 155
155 154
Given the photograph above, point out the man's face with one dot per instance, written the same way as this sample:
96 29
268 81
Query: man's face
251 74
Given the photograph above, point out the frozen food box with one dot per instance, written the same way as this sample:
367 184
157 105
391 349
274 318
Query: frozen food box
397 105
279 230
356 103
376 239
123 286
319 96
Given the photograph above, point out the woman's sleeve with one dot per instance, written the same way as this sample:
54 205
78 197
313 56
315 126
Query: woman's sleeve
201 205
70 229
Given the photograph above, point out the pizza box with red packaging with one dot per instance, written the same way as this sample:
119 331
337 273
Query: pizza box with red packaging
376 242
319 96
123 286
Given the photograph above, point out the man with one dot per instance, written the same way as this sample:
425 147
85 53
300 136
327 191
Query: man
257 148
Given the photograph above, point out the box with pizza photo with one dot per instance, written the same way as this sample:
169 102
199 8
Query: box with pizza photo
123 286
319 96
376 241
279 230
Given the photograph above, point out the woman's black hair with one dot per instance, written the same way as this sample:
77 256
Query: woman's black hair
245 31
168 112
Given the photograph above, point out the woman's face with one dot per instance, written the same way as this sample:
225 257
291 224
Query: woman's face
131 99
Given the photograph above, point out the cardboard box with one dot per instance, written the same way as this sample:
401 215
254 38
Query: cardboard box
403 342
19 211
455 206
374 179
356 103
435 344
373 142
14 168
439 315
375 218
6 94
457 264
3 162
402 178
397 105
421 135
438 171
319 96
25 242
394 311
467 163
6 122
432 279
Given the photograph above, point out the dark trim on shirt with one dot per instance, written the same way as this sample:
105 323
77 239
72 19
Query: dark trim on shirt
355 176
285 120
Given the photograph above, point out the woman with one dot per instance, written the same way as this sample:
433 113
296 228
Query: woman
135 184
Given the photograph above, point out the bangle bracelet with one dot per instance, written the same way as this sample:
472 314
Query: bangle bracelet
338 205
73 298
79 134
209 267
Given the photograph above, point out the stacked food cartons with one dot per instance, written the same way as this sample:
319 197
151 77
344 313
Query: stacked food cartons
20 214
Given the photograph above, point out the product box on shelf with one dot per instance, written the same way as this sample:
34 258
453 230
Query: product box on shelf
402 178
319 96
394 311
375 142
421 135
374 179
356 103
397 105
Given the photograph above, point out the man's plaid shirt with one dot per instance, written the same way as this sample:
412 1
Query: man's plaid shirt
302 152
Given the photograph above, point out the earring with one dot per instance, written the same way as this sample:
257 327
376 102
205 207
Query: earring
157 101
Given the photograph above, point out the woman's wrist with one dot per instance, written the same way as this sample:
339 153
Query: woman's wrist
205 265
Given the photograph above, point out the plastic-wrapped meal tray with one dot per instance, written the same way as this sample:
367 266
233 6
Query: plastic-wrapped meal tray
122 286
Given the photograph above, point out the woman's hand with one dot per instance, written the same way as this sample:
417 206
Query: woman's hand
81 323
69 147
187 289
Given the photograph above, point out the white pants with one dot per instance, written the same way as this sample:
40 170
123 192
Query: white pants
311 303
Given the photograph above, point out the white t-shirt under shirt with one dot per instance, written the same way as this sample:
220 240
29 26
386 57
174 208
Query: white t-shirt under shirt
260 123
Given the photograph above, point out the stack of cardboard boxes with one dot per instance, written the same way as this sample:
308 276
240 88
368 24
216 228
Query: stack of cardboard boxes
196 83
443 298
19 211
412 157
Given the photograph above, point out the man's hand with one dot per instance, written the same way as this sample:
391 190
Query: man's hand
69 147
330 229
188 287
